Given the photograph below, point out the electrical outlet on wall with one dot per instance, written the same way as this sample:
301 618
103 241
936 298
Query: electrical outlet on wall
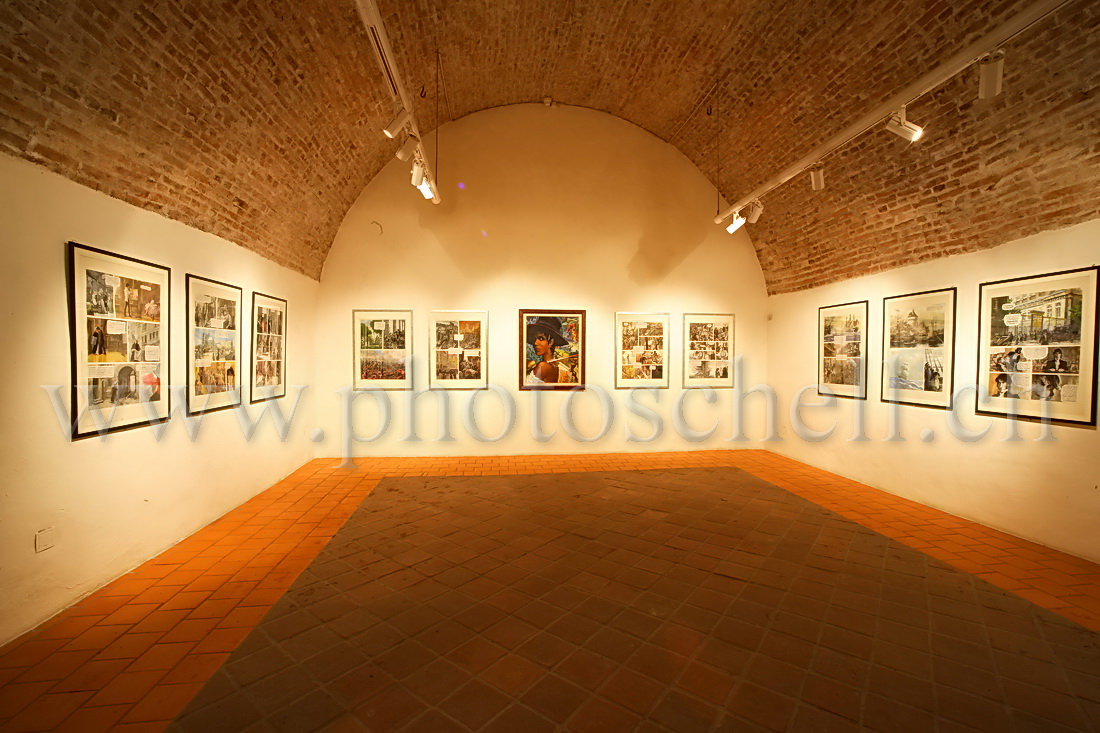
43 539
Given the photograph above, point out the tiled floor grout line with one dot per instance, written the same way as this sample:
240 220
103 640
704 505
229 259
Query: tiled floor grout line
106 663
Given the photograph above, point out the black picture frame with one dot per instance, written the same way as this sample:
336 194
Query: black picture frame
130 299
920 330
220 380
1026 326
833 363
268 353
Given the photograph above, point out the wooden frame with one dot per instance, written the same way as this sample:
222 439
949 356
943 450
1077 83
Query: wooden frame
552 364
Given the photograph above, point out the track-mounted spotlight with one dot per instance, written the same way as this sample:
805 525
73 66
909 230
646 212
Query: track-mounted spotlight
991 69
755 210
736 223
408 148
394 128
901 127
417 174
817 177
427 190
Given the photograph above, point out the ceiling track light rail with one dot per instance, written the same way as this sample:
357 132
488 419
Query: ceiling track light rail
988 46
422 175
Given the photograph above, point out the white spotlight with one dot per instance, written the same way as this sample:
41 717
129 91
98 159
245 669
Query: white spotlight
408 148
817 177
399 122
901 127
417 174
755 210
427 190
991 69
736 223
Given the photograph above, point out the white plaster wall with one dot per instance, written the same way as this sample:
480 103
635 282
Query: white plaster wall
557 208
116 502
1044 491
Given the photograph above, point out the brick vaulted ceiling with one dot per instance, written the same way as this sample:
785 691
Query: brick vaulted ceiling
258 120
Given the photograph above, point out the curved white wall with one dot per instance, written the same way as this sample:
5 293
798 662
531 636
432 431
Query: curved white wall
558 207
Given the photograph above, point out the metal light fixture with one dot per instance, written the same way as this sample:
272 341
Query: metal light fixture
991 69
427 190
394 128
901 127
817 177
404 124
406 151
736 223
755 210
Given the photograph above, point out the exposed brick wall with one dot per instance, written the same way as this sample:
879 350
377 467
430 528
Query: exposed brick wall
258 121
984 173
246 119
789 75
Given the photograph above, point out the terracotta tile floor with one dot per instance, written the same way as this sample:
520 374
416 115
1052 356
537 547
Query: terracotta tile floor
132 655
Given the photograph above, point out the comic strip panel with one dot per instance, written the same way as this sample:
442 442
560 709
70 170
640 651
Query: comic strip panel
841 370
919 370
106 340
1042 318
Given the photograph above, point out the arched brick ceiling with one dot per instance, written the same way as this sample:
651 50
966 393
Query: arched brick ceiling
259 121
256 120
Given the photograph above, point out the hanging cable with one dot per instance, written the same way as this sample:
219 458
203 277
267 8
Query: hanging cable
438 64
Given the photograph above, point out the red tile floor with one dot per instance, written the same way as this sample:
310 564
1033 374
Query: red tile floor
131 655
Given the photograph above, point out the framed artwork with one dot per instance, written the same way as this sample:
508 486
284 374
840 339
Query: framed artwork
708 349
1037 347
552 346
456 354
118 329
214 312
268 347
641 350
383 349
842 349
918 348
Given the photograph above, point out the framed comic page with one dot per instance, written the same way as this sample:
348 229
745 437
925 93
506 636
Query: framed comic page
552 349
458 348
118 329
641 350
214 312
1037 347
383 349
708 349
918 348
268 347
842 350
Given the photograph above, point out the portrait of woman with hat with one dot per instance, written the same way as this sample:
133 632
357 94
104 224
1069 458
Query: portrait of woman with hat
546 336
